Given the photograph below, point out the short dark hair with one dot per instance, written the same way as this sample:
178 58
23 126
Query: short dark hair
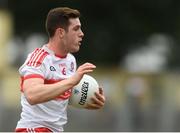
59 17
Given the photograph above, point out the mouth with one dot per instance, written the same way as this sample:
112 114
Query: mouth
80 42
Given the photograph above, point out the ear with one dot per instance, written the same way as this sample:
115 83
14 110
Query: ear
60 32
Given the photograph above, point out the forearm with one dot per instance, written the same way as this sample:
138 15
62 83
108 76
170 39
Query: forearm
38 93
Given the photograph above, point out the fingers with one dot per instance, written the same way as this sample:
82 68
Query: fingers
86 68
98 101
101 91
88 65
97 104
82 69
100 96
93 106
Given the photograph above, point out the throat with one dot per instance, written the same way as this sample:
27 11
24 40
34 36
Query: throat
58 52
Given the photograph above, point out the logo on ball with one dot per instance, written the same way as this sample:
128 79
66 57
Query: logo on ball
84 91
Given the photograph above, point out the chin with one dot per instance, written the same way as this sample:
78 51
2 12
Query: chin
75 50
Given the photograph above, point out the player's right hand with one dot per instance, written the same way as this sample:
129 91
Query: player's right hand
82 69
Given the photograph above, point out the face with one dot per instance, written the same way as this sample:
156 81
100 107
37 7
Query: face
73 37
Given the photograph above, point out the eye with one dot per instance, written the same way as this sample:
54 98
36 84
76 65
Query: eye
76 28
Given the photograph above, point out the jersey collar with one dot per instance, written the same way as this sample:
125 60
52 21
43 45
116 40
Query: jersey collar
52 52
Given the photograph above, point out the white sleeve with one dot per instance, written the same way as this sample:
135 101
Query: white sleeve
26 70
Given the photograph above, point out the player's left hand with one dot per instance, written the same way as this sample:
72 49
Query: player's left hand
98 100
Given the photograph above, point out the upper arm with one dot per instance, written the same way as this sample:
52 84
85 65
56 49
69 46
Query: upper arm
32 75
31 82
31 89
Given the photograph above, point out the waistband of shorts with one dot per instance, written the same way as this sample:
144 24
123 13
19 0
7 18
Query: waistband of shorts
33 130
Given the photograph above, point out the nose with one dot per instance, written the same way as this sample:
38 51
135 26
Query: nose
81 34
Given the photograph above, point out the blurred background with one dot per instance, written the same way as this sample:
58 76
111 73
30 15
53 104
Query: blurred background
134 44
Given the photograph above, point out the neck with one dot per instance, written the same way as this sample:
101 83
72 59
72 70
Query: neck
56 48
